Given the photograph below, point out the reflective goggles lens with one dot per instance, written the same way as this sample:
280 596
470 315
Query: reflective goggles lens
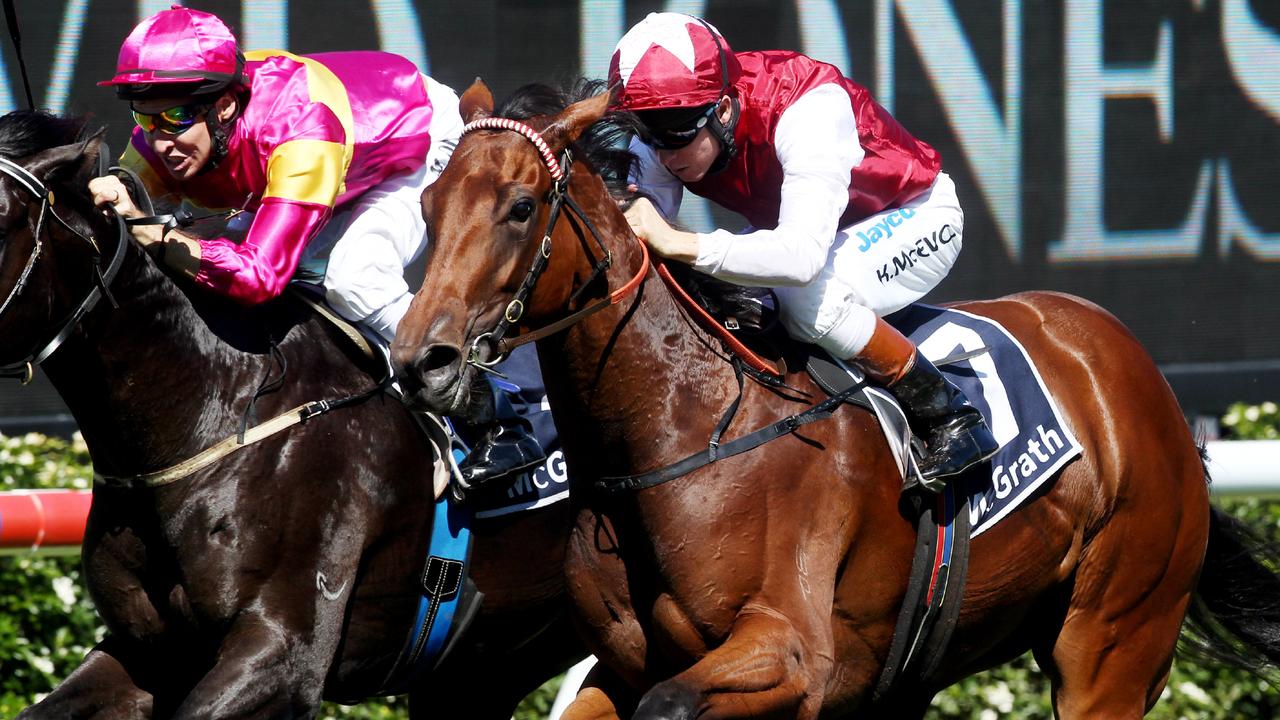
173 121
674 139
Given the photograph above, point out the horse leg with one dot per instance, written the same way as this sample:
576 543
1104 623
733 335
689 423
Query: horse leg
1112 656
264 669
101 688
768 667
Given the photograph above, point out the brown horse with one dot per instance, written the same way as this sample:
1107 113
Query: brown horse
279 575
768 584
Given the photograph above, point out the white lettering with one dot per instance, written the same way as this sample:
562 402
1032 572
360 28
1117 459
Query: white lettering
522 486
991 140
399 31
1026 466
822 33
265 24
556 467
64 64
1050 439
1252 49
943 342
1001 482
1088 82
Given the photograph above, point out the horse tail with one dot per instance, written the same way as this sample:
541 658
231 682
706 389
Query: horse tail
1234 616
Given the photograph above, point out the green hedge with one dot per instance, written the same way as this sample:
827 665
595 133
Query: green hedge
47 622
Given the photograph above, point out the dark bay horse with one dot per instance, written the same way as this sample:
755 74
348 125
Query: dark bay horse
287 571
767 585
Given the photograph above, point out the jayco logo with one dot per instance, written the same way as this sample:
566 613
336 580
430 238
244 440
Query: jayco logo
884 228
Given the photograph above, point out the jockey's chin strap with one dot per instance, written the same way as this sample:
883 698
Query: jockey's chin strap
24 370
490 348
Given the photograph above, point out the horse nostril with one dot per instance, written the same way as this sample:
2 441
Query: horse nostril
438 356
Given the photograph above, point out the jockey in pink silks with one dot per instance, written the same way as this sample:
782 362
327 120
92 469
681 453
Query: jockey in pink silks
852 218
327 154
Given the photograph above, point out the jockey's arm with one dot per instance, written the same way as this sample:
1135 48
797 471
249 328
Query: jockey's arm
304 174
816 142
303 179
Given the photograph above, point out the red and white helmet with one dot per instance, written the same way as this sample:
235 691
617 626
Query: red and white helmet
178 52
671 60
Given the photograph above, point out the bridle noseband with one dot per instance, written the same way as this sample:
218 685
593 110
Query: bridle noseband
489 348
24 369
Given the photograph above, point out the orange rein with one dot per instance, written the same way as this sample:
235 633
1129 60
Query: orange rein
709 324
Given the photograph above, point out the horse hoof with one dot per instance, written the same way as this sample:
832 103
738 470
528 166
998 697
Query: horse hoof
668 701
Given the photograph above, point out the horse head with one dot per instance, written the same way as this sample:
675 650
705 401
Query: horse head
52 241
504 257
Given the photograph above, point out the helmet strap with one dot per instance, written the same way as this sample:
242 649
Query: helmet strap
724 133
219 136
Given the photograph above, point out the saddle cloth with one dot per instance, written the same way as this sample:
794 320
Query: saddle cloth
1005 386
549 482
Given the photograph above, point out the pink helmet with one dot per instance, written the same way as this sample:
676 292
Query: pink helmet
670 60
177 52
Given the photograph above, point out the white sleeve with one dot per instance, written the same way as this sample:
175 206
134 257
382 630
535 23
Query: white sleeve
817 144
446 124
653 179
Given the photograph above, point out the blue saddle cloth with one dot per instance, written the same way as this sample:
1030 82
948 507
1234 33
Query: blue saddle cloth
523 393
1004 384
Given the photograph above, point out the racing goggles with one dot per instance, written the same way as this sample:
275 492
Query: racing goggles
674 138
173 121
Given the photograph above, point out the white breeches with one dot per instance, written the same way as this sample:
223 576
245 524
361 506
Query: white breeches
877 266
383 231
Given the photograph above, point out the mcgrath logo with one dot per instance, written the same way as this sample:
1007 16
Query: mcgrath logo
884 228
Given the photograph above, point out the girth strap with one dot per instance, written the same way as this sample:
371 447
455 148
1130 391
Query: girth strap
935 591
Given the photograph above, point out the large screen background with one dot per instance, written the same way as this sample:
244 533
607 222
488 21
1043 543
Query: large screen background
1127 151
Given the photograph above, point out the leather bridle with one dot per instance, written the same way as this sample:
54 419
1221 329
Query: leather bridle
489 348
24 369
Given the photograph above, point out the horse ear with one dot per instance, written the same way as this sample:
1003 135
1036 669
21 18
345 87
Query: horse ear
73 160
576 118
476 102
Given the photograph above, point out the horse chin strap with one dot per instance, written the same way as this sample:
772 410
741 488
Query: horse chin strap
489 348
24 370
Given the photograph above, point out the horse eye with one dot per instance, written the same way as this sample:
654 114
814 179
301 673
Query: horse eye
522 210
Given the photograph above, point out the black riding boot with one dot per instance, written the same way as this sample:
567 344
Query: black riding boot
956 435
507 446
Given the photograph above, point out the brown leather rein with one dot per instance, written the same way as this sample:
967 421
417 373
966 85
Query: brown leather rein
489 348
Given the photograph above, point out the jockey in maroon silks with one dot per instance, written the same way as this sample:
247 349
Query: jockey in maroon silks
328 156
851 217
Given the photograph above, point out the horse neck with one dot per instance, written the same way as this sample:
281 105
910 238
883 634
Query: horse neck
633 372
144 379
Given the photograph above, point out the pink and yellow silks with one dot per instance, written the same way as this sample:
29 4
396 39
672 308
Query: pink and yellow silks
316 133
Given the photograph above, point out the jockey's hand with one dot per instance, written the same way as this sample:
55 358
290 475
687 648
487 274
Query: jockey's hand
649 225
110 195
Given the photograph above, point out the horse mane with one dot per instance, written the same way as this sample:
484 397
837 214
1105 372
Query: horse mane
27 132
603 145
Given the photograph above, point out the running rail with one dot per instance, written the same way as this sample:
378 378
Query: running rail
43 521
52 521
